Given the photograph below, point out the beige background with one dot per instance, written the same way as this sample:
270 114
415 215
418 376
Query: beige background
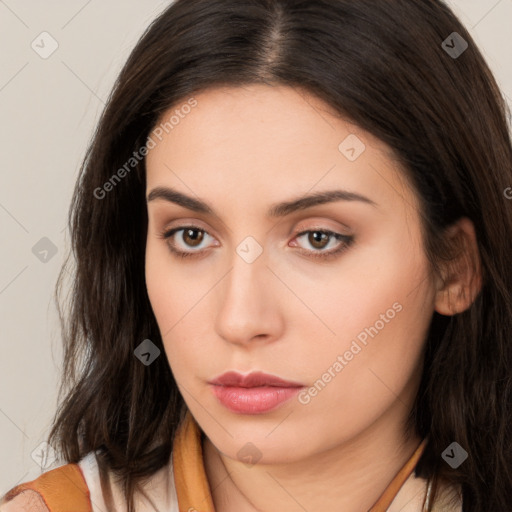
48 109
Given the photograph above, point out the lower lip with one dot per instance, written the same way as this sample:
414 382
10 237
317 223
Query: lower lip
253 400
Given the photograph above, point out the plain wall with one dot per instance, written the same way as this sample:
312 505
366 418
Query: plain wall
48 111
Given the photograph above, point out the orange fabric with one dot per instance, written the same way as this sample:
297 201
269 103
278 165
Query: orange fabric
63 489
192 487
392 489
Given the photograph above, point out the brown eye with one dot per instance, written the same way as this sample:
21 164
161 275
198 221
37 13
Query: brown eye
190 237
318 239
193 237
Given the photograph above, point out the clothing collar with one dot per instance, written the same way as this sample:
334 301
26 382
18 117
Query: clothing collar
192 487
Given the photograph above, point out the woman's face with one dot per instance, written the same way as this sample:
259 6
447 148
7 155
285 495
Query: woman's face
334 295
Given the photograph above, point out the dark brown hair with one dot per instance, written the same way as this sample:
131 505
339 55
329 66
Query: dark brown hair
381 65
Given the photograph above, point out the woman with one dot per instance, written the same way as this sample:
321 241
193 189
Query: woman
293 281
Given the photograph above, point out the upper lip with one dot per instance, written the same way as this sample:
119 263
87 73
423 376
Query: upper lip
251 380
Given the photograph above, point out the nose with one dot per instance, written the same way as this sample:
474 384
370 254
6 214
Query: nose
249 307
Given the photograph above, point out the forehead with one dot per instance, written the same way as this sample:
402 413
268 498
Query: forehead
271 143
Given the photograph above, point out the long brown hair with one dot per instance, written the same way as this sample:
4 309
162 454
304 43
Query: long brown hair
380 64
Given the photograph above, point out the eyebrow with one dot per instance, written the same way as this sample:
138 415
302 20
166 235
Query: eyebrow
276 210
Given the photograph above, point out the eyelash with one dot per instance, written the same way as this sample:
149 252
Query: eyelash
347 242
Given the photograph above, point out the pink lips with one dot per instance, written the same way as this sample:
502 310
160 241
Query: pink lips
254 393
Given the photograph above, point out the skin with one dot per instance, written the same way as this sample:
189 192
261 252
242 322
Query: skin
287 313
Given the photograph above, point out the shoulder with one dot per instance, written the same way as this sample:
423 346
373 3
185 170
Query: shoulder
26 501
159 491
80 484
52 491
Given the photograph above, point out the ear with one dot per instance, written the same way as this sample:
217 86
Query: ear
462 276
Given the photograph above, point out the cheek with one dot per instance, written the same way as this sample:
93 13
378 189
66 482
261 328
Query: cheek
172 287
162 284
158 284
178 298
379 310
382 283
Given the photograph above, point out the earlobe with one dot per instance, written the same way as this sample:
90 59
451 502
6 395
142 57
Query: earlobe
452 299
463 275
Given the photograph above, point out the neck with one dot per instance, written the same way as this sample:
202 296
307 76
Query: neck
349 477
